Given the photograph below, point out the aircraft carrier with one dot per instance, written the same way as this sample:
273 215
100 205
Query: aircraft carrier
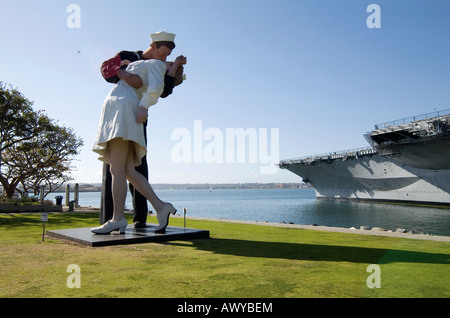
408 161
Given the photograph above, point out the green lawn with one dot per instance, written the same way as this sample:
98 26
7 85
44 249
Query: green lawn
239 260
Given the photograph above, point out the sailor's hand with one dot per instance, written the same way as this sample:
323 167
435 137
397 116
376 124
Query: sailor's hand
141 115
132 79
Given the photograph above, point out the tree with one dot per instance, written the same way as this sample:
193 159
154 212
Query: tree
34 149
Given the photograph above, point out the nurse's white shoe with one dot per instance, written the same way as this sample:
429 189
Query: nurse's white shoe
163 217
110 226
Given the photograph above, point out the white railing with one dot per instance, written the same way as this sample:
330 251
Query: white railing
357 152
411 119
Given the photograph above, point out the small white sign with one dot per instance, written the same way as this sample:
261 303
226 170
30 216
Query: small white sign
44 217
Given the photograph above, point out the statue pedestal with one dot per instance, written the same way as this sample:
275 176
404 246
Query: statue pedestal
84 236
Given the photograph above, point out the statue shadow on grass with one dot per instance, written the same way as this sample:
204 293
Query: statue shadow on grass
313 252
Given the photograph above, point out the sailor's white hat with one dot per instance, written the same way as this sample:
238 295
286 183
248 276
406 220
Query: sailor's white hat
162 36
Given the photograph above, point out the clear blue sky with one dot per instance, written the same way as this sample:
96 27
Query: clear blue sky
312 69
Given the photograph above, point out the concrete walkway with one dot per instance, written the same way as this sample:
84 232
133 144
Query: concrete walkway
331 229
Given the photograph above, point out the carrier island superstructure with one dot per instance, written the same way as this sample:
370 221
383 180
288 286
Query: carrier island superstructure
408 161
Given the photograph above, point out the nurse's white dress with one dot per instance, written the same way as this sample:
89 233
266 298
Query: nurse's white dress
118 116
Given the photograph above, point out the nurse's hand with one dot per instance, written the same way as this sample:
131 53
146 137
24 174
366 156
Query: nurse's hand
141 115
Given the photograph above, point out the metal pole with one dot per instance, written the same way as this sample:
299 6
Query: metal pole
44 218
43 233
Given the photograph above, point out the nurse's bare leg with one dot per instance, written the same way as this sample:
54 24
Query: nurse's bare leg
118 152
141 183
163 209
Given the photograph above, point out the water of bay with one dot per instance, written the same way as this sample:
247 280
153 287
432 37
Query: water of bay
295 205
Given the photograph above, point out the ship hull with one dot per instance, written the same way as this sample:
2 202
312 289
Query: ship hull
375 178
409 162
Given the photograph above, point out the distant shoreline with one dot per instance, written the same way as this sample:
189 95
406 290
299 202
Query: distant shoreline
97 187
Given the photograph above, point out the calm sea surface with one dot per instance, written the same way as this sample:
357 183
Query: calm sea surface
294 205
